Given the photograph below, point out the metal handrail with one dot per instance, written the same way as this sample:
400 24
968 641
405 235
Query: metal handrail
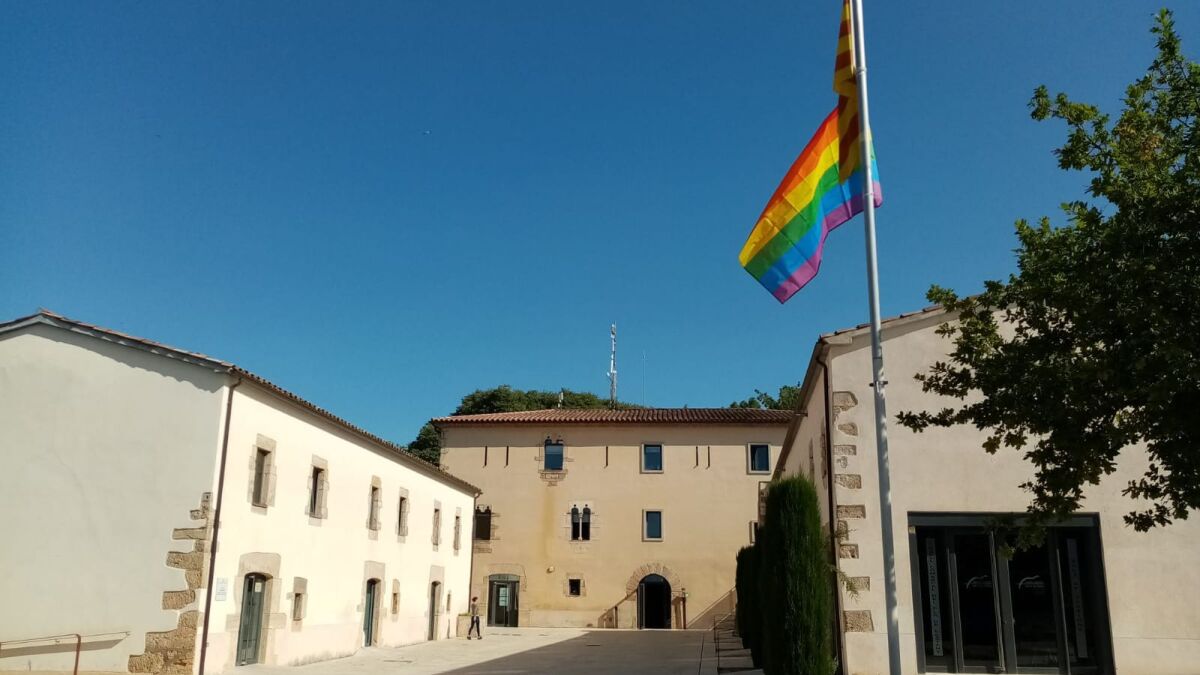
59 639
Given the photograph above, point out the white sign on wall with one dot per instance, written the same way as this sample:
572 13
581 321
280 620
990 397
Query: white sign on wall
220 588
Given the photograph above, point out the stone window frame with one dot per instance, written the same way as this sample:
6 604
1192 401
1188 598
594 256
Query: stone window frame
552 476
567 586
403 505
375 507
322 487
395 601
457 529
662 458
299 601
267 445
436 536
661 525
585 507
750 470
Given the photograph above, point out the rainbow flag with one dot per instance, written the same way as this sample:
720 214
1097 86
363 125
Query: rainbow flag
822 190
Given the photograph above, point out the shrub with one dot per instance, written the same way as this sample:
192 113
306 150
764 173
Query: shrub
747 595
796 582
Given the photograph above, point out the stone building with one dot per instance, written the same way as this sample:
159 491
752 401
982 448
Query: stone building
1096 597
611 518
121 456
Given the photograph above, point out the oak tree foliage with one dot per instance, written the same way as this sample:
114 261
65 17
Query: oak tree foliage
1094 344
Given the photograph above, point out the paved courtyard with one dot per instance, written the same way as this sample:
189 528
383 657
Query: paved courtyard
512 651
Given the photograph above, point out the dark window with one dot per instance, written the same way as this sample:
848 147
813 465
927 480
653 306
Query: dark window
653 526
261 461
652 458
576 523
376 502
483 523
314 492
1041 608
437 526
574 586
553 456
457 531
760 458
585 526
402 516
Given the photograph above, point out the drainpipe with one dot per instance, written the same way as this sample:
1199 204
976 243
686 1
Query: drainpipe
837 594
216 526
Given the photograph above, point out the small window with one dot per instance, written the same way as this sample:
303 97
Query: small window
395 602
297 606
753 531
553 456
585 527
437 526
652 525
483 523
402 516
574 587
315 489
376 503
759 458
652 458
457 530
261 461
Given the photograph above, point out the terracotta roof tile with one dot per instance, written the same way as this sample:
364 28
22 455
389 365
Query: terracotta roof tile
733 416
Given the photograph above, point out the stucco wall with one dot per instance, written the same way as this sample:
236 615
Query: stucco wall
707 496
106 449
334 556
1151 577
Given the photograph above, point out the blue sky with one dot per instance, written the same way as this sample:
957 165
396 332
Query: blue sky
383 206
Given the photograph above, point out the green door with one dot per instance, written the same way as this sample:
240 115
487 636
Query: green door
250 630
369 613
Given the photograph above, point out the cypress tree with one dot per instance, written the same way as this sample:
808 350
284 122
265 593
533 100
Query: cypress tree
796 607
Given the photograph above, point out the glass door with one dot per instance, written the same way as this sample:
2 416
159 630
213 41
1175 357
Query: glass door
977 607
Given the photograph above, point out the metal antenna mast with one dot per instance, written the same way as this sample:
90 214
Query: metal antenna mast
612 368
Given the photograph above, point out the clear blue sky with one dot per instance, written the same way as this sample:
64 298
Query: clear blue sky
382 206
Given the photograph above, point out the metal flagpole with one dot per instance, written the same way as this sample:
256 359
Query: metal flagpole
885 484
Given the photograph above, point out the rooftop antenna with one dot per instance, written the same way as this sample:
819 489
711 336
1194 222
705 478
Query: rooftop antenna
560 398
612 368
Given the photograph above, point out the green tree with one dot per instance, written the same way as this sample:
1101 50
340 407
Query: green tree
796 583
428 443
1094 344
787 399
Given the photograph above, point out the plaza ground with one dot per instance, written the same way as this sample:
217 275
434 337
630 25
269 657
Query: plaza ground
512 651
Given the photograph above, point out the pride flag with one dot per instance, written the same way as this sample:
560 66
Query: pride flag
823 189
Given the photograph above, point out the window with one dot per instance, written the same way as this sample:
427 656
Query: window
297 606
753 531
316 490
1041 608
553 456
457 530
262 460
376 503
652 459
652 525
581 523
437 526
574 587
395 602
759 458
402 516
483 523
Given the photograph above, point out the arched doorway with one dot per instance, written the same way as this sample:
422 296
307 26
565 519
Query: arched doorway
654 602
370 612
254 597
435 596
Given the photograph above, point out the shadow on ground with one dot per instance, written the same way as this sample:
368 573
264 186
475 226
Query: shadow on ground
608 651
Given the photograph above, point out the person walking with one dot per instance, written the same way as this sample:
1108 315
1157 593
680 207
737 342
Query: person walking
474 619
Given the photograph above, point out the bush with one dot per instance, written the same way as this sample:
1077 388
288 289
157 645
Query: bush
795 606
746 613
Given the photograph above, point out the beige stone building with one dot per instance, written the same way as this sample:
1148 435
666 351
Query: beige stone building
611 518
121 456
1097 597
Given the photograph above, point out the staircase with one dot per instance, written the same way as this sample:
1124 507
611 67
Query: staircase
732 657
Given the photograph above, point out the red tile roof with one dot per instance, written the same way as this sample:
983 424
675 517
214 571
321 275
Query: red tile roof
731 416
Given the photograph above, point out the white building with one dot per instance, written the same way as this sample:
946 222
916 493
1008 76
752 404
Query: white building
120 456
1095 597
